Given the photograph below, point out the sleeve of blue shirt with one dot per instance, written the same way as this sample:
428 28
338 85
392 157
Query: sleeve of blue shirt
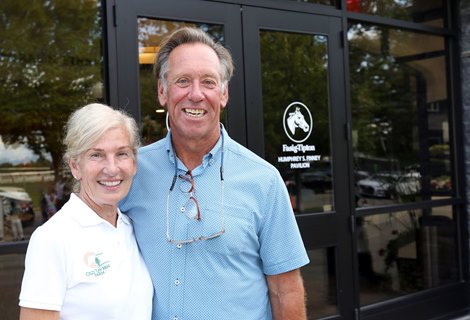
282 248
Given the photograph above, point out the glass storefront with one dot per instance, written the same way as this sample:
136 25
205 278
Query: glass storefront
400 108
405 252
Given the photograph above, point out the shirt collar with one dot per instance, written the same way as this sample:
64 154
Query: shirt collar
85 216
208 159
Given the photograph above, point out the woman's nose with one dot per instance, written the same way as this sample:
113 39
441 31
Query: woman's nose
111 166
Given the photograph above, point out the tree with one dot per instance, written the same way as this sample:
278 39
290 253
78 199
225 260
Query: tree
50 62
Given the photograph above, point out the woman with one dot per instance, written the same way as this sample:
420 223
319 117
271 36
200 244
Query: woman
84 262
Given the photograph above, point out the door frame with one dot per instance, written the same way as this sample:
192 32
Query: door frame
319 230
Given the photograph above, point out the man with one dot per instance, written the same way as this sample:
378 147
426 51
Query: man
213 220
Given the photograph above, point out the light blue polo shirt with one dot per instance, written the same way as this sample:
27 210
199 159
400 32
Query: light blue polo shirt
224 277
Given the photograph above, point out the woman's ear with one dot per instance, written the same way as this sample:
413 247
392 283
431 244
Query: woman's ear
75 169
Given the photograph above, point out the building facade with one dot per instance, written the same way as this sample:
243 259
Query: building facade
362 105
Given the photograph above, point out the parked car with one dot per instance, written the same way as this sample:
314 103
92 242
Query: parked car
319 180
408 184
377 185
390 185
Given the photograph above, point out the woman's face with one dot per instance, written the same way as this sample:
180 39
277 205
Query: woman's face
106 170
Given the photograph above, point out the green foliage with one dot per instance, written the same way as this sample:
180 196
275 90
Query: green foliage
383 93
50 59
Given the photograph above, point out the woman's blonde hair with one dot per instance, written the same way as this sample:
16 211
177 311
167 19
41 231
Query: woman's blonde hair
88 124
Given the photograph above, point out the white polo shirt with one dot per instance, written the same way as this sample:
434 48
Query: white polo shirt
79 264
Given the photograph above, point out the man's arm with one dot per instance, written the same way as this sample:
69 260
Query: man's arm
287 296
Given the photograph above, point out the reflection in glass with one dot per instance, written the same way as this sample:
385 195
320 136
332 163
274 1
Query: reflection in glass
11 274
150 34
405 252
51 64
400 115
320 283
295 89
430 12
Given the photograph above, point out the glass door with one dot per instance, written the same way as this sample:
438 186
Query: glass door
297 120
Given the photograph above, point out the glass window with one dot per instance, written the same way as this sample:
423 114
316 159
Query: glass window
320 283
296 116
404 252
11 274
400 115
51 63
150 34
431 12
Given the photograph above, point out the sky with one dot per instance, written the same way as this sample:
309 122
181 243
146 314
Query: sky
16 154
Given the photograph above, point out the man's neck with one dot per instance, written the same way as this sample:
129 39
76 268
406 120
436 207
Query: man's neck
191 152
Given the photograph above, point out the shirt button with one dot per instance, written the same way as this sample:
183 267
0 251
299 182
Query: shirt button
177 282
179 245
175 318
183 209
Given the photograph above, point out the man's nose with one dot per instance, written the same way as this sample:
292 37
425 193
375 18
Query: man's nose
196 93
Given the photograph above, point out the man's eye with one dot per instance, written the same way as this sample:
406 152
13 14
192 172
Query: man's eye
210 84
182 83
95 155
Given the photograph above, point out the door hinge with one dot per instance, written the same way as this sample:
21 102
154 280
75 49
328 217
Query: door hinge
347 131
114 16
353 224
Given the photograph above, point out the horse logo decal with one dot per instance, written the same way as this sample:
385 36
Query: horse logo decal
296 121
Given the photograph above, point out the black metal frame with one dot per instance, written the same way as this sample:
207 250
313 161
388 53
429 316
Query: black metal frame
122 90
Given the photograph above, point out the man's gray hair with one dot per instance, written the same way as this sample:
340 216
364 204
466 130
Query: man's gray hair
186 35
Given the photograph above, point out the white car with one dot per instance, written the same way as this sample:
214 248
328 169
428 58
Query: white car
377 185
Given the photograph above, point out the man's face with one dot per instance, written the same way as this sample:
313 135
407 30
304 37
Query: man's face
194 97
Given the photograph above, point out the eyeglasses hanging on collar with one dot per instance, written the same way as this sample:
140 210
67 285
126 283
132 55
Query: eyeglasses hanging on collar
191 207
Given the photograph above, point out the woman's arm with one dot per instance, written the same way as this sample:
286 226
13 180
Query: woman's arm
38 314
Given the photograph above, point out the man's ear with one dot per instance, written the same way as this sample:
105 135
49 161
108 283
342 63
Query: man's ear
162 98
224 99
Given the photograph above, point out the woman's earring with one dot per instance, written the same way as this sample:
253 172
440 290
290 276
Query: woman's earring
167 121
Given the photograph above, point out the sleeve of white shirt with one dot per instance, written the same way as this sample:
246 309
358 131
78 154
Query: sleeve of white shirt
44 281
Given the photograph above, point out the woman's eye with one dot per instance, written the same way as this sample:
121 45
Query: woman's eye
123 155
95 155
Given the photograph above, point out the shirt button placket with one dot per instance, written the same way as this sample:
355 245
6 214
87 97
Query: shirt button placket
177 274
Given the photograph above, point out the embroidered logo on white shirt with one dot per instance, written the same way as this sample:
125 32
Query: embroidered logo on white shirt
95 262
